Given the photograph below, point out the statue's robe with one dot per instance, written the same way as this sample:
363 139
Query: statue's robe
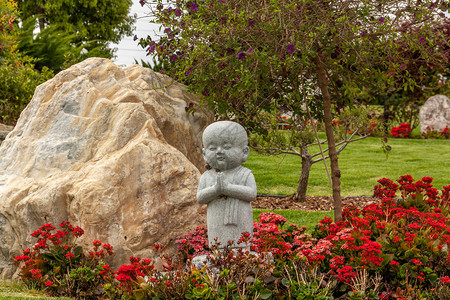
228 218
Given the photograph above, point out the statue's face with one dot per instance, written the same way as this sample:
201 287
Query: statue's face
224 153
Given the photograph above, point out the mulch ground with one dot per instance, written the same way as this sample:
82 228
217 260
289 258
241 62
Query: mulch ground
312 203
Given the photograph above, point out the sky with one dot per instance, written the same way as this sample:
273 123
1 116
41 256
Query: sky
127 49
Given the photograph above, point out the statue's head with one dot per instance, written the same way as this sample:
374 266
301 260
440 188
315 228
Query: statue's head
225 145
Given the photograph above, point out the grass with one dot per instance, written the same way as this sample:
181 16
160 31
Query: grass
301 218
17 290
362 163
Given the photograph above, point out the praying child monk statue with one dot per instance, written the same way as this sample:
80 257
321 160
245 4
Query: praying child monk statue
227 187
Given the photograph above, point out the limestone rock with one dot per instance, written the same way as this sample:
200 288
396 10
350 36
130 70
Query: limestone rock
435 114
4 130
109 149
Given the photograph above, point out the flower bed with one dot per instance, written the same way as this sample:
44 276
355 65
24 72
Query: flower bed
398 249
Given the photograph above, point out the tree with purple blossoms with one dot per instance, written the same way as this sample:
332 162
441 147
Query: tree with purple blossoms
307 57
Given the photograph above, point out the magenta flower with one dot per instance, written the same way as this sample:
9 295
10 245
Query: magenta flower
173 57
381 20
177 12
422 40
290 48
250 51
241 56
192 6
188 71
142 2
135 37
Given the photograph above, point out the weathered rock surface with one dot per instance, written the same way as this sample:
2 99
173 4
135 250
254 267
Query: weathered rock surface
4 130
435 114
109 149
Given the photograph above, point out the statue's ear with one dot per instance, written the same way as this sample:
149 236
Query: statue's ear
246 151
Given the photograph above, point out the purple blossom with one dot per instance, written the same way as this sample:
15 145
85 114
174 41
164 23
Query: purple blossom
192 6
290 48
142 2
135 37
403 67
241 56
422 40
251 22
167 30
173 57
249 51
177 12
205 92
381 20
364 33
151 49
159 7
188 71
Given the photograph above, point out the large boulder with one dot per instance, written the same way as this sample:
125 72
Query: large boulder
434 115
112 150
4 130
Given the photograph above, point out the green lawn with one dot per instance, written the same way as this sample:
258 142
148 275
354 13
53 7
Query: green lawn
301 218
362 163
17 290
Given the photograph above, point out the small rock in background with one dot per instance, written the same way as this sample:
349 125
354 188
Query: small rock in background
435 114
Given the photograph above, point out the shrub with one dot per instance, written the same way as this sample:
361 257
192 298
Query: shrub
434 134
57 265
18 78
404 130
395 249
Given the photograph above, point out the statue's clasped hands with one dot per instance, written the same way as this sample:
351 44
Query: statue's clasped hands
221 184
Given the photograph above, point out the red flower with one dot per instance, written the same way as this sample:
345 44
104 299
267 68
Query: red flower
123 277
69 255
394 263
97 243
48 283
36 273
77 231
108 248
47 227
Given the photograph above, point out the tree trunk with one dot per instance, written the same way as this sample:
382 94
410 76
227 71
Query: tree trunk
40 14
335 172
300 195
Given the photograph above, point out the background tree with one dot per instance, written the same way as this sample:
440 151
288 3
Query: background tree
18 78
251 56
67 26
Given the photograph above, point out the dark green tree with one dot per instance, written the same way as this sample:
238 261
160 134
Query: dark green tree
86 24
248 57
18 78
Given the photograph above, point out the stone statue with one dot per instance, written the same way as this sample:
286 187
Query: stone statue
227 187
